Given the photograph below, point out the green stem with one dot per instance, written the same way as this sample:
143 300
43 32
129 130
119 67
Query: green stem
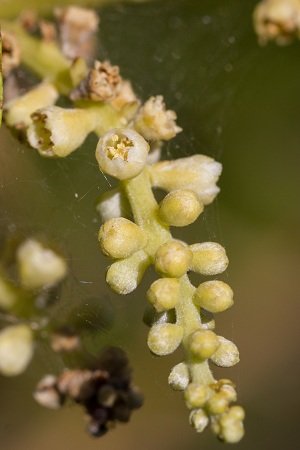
144 209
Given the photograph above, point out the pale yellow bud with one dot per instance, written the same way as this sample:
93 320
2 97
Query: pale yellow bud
215 296
39 266
125 275
16 349
199 420
120 238
18 111
180 208
198 173
217 404
122 153
57 132
203 344
209 258
179 377
233 434
173 259
229 392
227 355
164 293
154 122
163 339
195 395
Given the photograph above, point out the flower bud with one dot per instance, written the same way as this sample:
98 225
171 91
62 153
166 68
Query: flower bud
195 395
198 173
16 349
179 377
199 420
154 122
122 153
164 294
227 355
164 338
215 296
125 275
120 238
39 266
209 258
217 404
172 259
233 433
57 132
19 110
180 208
203 344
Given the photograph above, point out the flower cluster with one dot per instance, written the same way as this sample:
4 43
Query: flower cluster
136 228
277 20
178 313
105 391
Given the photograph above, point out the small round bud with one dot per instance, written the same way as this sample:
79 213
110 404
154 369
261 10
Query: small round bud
236 412
217 404
122 153
199 420
164 294
227 355
38 265
172 259
215 296
16 349
232 433
120 238
209 258
229 392
180 208
124 275
195 395
179 377
203 344
164 338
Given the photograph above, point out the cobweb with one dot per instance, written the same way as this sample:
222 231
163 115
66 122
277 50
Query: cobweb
190 52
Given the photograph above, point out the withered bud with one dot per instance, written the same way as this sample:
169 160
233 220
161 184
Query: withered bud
101 84
46 393
10 52
77 26
80 384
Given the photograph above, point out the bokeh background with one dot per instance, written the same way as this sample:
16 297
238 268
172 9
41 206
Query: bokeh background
239 103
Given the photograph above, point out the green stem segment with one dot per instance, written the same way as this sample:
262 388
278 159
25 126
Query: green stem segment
144 208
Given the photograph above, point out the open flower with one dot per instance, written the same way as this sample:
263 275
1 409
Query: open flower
122 153
58 131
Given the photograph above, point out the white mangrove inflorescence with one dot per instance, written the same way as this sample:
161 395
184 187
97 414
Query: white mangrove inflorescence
136 229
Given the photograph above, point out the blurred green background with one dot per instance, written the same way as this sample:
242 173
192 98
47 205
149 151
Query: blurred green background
239 103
